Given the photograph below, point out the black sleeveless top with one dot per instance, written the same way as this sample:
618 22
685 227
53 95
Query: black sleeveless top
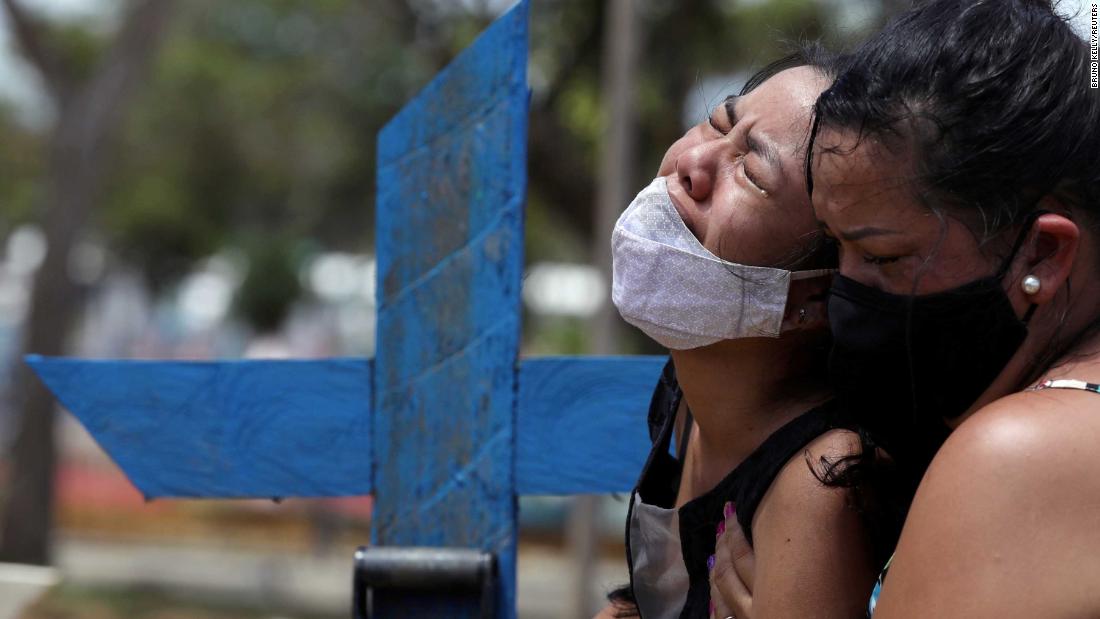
745 486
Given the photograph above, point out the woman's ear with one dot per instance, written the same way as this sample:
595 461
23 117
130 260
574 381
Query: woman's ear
806 304
1047 260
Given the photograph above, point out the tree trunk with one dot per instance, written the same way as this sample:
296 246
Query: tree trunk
614 179
89 116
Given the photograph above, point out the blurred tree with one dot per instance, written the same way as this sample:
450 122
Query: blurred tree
271 285
260 116
90 98
20 159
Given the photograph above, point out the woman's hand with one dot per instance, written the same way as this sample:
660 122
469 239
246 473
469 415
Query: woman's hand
731 570
617 610
607 612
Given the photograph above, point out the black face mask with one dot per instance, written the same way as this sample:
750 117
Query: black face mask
905 363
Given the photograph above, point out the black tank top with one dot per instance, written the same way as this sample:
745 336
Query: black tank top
745 486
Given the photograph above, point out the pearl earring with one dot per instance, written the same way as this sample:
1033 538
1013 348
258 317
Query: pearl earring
1031 284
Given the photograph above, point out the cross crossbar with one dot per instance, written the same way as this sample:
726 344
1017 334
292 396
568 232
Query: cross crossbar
267 429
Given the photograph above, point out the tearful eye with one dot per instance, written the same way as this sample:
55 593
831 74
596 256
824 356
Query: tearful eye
750 176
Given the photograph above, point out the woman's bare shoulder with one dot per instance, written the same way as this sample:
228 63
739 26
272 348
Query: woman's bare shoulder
1027 448
1031 434
798 491
1011 493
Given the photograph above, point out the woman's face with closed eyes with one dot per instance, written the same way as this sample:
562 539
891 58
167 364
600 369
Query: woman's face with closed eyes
737 179
864 196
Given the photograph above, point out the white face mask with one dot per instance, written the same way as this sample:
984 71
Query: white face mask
680 294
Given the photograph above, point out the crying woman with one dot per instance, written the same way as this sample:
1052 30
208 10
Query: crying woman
720 260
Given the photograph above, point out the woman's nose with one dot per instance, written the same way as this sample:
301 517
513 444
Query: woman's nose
697 167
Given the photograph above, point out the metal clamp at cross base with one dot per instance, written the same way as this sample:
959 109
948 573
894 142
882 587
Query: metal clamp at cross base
464 573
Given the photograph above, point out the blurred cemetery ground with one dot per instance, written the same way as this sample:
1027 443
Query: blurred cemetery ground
218 202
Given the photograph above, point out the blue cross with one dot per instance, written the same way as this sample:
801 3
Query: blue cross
446 426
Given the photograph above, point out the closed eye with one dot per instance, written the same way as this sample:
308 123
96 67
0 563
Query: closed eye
749 175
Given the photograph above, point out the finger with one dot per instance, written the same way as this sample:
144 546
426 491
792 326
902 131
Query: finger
737 549
719 609
727 590
733 561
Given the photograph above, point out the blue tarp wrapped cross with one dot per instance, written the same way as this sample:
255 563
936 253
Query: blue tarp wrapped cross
446 426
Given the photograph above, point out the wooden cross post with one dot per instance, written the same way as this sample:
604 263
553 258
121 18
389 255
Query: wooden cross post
445 426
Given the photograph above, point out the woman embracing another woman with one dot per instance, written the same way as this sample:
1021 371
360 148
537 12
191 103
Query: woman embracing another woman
956 161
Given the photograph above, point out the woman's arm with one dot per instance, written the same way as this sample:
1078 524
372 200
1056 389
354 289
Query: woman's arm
1006 522
812 555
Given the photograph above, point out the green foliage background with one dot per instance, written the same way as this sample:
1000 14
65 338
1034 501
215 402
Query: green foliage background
256 129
